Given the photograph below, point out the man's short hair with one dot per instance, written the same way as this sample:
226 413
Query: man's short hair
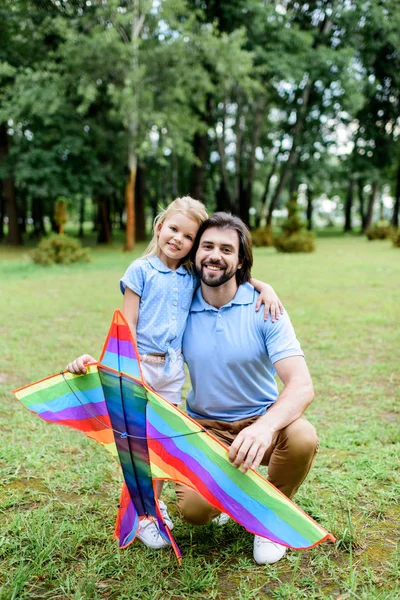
223 220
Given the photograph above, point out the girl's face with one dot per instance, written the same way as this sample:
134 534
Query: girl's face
175 239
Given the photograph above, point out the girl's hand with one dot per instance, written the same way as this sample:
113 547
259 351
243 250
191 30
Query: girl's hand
78 366
271 302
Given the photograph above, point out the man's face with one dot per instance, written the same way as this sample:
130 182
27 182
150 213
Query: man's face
217 258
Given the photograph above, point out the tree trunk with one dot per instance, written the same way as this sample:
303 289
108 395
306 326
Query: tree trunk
200 150
381 208
238 181
54 226
130 205
309 212
14 237
140 223
287 168
104 233
224 187
37 217
22 210
223 198
255 137
137 23
324 29
348 206
81 216
286 172
371 204
293 187
2 215
361 198
244 202
264 197
396 207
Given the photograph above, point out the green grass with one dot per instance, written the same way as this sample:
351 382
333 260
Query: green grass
59 491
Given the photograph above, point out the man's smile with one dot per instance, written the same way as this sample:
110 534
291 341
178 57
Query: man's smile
213 266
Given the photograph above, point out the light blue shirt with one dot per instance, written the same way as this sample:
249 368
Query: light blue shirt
230 353
165 298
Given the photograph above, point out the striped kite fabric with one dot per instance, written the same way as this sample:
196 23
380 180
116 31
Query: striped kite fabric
152 440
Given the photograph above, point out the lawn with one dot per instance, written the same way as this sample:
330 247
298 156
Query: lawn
59 491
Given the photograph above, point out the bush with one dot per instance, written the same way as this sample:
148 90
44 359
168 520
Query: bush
396 238
303 241
381 230
262 236
59 249
294 237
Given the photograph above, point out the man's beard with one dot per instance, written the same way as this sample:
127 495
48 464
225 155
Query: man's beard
219 278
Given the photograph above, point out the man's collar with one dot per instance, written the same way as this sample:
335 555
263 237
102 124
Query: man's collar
244 295
157 264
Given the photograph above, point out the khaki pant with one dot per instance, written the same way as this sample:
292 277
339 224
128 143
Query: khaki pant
289 459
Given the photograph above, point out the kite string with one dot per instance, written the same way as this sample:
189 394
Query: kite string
125 434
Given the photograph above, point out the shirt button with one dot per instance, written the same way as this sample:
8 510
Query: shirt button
175 289
173 332
219 315
167 344
174 274
174 303
174 318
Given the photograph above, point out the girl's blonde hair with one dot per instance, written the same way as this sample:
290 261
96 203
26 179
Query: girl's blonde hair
194 209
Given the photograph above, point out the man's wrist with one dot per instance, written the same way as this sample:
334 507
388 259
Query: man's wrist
268 423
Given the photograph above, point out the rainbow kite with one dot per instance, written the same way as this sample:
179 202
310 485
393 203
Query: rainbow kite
151 439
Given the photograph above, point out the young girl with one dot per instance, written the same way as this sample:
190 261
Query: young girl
158 290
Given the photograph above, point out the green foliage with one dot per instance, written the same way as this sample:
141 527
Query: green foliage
396 238
381 230
262 236
294 237
59 249
304 241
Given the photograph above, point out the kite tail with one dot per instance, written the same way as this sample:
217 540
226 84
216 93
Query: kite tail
127 519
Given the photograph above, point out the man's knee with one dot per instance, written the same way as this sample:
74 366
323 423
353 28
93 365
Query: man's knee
195 510
302 438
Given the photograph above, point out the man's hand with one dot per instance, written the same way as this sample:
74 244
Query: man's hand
250 446
78 366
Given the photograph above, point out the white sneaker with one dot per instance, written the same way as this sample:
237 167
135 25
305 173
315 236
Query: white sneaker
267 552
165 515
149 534
221 520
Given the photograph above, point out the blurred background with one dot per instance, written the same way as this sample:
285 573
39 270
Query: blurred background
109 109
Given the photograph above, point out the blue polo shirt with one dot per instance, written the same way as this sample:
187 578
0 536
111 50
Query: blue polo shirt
231 353
165 299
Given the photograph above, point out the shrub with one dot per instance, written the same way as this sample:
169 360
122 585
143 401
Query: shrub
59 249
381 230
303 241
396 238
262 236
294 237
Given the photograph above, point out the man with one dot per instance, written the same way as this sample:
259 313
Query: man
232 355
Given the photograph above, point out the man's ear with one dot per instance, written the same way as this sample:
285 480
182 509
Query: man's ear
240 266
